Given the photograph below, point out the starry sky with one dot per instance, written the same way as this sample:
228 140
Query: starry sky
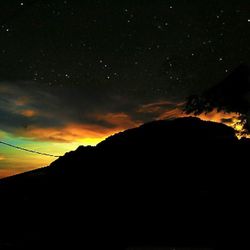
75 72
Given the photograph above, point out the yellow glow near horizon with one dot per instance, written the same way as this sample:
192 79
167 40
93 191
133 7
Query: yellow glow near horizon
54 141
59 141
13 161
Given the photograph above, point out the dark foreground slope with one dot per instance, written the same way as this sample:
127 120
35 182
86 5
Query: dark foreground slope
167 183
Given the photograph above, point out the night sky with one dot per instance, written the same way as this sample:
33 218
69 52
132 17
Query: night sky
74 72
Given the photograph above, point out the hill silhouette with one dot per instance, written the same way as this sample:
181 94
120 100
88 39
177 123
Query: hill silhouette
168 183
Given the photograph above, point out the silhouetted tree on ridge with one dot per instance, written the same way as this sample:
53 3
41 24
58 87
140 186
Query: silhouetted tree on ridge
165 182
230 95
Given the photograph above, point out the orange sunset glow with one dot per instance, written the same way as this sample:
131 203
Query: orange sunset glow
59 140
56 141
231 119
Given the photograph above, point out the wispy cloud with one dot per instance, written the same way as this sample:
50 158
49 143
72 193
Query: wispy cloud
162 110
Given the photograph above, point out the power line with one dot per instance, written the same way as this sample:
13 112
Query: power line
4 21
28 150
10 18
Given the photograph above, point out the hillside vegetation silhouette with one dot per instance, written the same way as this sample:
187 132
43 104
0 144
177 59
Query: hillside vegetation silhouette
171 183
230 95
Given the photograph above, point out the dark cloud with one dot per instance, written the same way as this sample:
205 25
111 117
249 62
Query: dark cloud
100 63
39 110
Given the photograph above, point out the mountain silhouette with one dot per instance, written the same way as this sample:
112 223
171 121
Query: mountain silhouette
165 183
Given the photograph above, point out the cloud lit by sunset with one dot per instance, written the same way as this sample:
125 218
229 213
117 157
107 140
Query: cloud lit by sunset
28 123
28 112
76 72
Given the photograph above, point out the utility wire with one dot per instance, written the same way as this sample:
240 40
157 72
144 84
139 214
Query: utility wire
3 22
28 150
7 20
